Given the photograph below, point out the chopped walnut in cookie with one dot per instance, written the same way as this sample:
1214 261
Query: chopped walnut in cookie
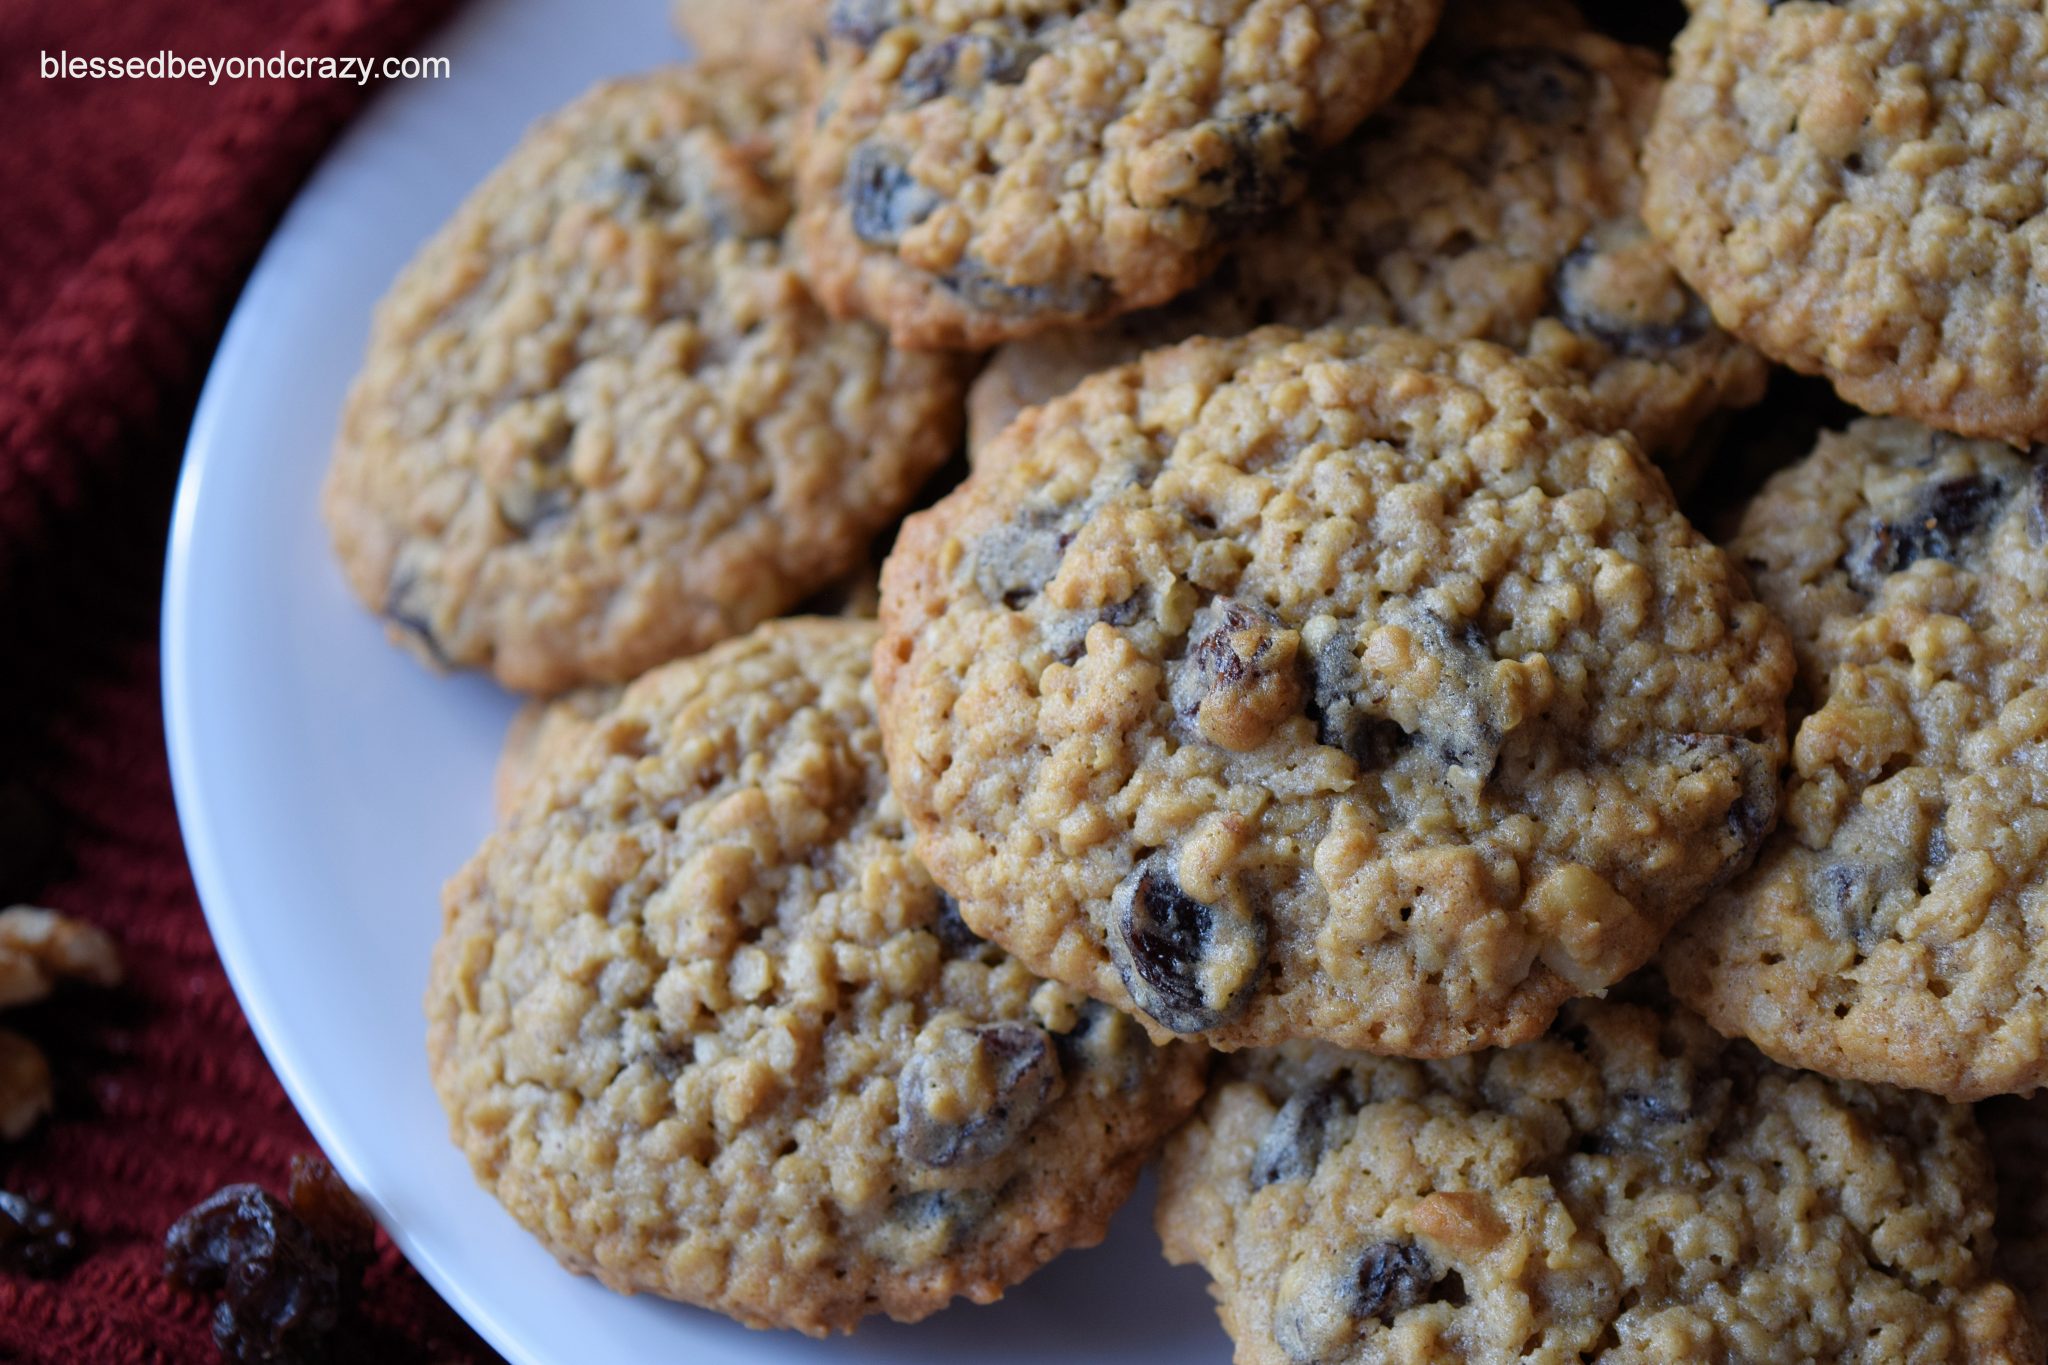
38 949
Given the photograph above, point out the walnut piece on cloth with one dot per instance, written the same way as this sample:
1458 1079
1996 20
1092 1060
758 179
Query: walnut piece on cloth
39 948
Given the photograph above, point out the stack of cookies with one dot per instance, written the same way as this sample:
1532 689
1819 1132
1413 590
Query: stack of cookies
1312 736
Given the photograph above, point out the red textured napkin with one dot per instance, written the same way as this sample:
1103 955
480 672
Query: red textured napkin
130 212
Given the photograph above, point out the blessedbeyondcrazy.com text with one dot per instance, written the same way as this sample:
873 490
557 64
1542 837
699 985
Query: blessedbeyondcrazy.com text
171 66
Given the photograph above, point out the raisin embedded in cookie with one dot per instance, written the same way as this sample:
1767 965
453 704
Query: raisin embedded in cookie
705 1026
1893 929
1857 187
1628 1188
1346 685
983 172
1494 197
601 423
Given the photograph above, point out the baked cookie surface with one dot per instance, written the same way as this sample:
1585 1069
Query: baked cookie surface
984 171
1892 929
600 422
1495 197
1857 188
773 35
1344 685
1629 1187
542 731
706 1028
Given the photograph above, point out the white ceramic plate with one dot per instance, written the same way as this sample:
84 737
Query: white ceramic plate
328 785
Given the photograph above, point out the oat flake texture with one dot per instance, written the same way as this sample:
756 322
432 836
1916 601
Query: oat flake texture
1893 927
1343 685
708 1030
1495 197
979 171
601 423
1858 190
1627 1189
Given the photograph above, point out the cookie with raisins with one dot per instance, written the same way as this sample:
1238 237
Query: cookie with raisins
1345 685
1629 1187
601 423
977 173
1893 928
1494 197
704 1025
1856 189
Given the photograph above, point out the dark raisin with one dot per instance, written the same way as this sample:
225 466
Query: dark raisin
1264 170
883 197
1023 1068
1391 1278
1335 704
202 1243
633 185
955 1212
332 1213
1066 633
1074 300
1641 1120
1240 676
2037 499
1294 1141
532 510
28 841
1940 525
1754 812
1539 84
991 58
1161 939
35 1241
280 1268
1845 899
1321 1319
543 494
860 21
408 606
1581 308
1872 876
1127 611
1958 507
1014 562
1105 1042
282 1290
1454 719
952 931
928 73
1750 818
1213 663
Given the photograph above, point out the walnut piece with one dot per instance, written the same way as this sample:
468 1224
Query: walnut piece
24 1086
38 948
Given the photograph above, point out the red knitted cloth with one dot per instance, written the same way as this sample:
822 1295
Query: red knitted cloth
130 212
